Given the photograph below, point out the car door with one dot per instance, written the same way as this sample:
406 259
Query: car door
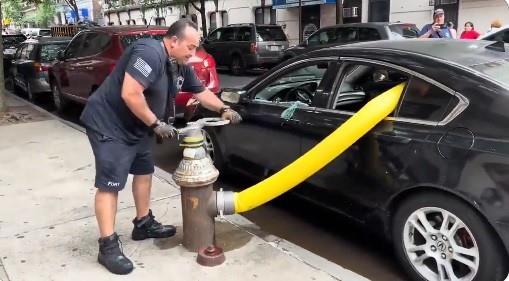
23 67
68 76
224 46
90 67
19 57
266 141
383 161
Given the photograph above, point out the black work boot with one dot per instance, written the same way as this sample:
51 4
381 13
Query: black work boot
148 227
112 257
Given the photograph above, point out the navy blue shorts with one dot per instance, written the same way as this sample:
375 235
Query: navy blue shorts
114 160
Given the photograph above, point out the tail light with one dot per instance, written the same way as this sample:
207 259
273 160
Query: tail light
254 48
40 67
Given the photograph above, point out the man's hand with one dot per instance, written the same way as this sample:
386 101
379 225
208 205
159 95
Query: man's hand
164 130
435 27
232 115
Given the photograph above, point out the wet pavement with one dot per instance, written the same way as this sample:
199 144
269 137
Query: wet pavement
318 231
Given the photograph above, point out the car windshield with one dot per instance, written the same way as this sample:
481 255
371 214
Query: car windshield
404 30
498 70
131 38
10 41
49 51
270 33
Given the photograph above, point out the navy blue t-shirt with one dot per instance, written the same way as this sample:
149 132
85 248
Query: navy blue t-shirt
147 62
441 33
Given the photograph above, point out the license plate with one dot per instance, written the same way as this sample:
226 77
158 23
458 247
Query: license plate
274 48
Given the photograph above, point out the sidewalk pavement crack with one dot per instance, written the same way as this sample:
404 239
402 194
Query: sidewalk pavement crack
91 216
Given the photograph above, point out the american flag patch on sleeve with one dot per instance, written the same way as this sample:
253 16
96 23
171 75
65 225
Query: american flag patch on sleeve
143 67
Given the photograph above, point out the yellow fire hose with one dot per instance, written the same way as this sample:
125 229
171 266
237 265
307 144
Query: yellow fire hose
322 154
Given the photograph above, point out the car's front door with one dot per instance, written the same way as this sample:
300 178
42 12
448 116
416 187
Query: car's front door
268 139
379 163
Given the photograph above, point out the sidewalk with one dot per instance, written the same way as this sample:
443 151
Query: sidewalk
48 229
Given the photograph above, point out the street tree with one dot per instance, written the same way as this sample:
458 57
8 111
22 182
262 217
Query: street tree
200 8
45 12
13 10
74 7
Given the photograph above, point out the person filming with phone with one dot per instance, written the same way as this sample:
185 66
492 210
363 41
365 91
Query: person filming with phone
437 29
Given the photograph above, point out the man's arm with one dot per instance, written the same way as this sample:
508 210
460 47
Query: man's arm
132 94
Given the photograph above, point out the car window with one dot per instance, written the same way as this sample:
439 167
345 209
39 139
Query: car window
49 51
270 33
74 47
131 38
360 83
347 34
368 34
215 35
243 34
322 37
499 36
44 32
12 41
425 101
94 43
227 35
404 30
298 84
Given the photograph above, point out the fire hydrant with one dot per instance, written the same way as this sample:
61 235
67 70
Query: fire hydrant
195 175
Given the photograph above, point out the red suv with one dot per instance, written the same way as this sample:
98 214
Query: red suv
93 53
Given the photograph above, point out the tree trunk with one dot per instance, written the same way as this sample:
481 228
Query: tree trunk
75 8
339 11
3 102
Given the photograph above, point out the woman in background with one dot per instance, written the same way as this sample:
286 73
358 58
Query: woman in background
469 32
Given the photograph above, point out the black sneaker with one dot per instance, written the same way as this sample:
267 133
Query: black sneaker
111 255
148 227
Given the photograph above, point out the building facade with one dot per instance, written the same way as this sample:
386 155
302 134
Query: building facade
480 12
88 10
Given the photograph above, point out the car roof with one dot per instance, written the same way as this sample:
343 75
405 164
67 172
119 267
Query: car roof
13 35
368 24
48 40
128 28
502 29
463 52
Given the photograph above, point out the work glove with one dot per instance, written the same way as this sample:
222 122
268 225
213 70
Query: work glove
164 130
229 114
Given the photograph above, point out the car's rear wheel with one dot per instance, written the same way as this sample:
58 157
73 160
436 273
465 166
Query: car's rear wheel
212 148
236 65
438 237
59 101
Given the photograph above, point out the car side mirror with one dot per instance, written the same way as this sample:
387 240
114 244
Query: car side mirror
60 56
234 96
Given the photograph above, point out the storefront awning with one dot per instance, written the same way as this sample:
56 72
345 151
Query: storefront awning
283 4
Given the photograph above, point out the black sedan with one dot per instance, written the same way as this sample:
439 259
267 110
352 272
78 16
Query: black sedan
433 177
342 34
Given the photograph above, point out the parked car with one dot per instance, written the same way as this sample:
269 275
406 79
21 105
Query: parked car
93 53
10 44
433 177
499 35
36 32
30 64
351 33
242 46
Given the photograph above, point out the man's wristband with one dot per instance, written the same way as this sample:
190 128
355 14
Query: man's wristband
155 124
224 109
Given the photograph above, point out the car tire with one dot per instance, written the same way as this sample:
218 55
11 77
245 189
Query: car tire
211 146
30 93
465 245
237 65
58 100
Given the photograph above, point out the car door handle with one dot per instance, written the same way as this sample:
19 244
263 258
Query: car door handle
89 67
394 138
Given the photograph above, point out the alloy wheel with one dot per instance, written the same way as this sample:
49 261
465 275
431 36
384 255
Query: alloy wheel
440 246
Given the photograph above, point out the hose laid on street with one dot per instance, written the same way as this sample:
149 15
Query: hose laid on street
323 153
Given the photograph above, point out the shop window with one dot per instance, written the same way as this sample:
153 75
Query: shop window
265 15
